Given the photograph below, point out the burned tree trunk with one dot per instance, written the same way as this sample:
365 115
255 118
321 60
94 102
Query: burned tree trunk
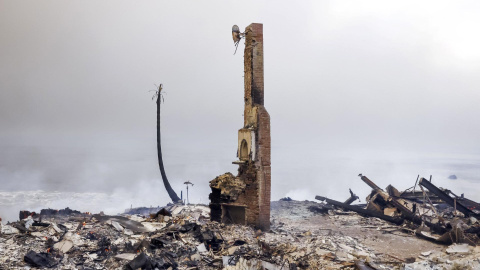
173 196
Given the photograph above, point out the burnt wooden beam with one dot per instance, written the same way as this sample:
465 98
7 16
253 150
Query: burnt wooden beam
352 198
445 197
360 210
370 183
468 203
390 199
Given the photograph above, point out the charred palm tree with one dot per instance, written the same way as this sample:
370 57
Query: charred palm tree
173 196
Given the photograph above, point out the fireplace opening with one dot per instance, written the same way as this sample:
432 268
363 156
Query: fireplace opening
233 214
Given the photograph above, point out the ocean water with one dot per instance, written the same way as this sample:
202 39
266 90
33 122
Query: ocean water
334 176
118 184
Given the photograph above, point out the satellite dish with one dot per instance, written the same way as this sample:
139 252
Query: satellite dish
235 29
237 36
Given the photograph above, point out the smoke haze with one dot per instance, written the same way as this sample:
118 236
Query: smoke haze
386 89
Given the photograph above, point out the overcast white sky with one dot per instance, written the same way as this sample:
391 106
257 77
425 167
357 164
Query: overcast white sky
350 81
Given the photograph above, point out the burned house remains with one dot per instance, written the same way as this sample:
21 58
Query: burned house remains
245 198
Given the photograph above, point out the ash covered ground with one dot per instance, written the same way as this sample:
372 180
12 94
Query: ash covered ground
183 237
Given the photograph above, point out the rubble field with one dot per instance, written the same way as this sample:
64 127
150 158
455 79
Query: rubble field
351 238
302 236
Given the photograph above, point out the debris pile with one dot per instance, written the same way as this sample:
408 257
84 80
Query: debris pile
434 214
177 237
450 220
303 235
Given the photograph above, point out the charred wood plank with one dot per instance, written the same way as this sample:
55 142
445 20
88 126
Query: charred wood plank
445 197
360 210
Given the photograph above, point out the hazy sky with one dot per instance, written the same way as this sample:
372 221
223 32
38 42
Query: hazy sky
358 82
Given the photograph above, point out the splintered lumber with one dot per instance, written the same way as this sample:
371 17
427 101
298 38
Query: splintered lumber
399 204
410 216
445 197
360 210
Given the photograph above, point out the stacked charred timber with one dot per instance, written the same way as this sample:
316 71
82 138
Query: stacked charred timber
433 213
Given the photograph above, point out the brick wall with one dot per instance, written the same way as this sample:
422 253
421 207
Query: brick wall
263 164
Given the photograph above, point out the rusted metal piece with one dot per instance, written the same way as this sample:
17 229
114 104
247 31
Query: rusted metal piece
370 183
445 197
352 198
360 210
